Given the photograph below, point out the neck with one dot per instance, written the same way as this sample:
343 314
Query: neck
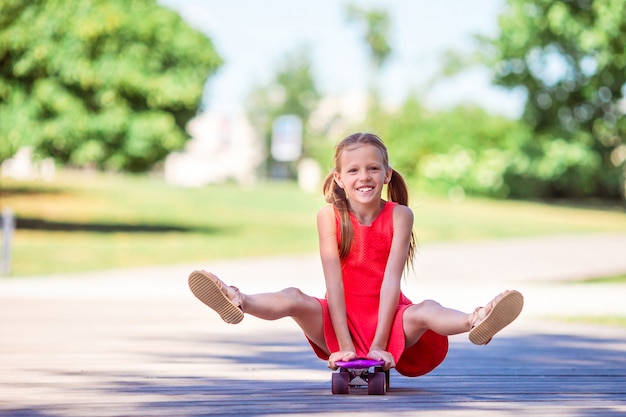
367 214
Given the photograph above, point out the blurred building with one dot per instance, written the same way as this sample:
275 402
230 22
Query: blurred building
335 114
222 148
23 166
226 148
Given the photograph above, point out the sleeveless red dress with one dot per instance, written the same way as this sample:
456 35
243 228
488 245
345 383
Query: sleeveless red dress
362 272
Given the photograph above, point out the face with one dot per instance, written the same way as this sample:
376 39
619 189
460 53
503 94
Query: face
362 173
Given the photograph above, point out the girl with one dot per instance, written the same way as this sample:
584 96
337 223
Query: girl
365 244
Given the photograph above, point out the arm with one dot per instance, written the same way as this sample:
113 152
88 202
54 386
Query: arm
331 265
390 289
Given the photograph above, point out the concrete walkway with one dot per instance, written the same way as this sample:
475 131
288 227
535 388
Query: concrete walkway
462 275
136 342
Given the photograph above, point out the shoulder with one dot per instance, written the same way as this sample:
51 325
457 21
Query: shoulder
402 214
326 215
327 211
326 223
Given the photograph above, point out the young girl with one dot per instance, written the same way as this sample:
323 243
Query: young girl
365 245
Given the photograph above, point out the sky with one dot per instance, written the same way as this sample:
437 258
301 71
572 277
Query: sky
253 36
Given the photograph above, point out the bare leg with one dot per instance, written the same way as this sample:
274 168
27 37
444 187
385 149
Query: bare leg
231 304
431 315
305 310
482 324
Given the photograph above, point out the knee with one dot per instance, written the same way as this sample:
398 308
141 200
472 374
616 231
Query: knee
296 299
418 314
292 293
430 304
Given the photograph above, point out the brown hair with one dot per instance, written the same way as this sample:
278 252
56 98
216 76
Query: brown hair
397 191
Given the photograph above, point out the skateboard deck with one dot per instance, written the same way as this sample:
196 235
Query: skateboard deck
359 373
359 363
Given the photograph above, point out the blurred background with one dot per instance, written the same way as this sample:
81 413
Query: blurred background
155 132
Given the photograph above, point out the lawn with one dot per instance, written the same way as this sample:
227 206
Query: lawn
83 222
616 282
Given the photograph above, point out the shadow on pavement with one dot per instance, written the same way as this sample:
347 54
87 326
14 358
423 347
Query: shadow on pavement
513 375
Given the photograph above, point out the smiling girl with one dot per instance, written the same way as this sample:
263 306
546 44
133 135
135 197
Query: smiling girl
365 243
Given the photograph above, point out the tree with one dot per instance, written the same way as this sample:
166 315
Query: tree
377 25
570 57
104 83
459 151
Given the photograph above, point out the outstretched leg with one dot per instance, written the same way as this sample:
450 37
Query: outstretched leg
482 324
231 304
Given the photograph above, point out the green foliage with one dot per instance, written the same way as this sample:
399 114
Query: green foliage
109 84
570 57
377 26
464 147
468 151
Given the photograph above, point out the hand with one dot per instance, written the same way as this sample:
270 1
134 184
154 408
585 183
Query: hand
383 355
342 355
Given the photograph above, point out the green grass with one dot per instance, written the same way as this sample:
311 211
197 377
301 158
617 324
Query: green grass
613 279
83 222
126 221
613 321
440 219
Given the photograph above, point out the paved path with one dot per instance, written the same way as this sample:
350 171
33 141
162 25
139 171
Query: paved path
459 275
136 342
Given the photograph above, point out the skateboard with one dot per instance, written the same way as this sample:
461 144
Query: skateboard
360 373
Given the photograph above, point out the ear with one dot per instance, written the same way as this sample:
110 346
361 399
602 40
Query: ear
388 175
337 179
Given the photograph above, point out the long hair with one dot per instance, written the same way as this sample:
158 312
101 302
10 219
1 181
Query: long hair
397 191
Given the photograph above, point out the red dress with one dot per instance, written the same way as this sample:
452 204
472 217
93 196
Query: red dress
362 272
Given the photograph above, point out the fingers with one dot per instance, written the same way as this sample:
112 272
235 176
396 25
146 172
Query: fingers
340 356
382 355
389 364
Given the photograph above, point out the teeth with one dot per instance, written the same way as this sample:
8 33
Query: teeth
365 189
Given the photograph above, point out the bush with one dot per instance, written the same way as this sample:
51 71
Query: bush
468 151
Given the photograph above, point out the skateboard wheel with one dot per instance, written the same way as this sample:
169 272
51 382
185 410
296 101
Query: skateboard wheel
387 378
376 383
341 383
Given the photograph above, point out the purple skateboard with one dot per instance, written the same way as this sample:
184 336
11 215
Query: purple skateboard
359 373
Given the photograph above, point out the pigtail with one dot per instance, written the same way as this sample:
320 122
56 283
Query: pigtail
336 196
398 191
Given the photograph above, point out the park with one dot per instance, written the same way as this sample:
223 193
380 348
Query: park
120 177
